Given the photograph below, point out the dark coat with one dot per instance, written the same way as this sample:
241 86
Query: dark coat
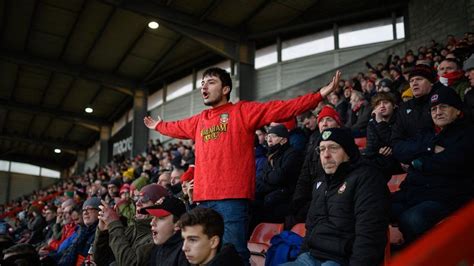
310 170
227 256
276 183
358 120
412 117
349 216
444 176
170 253
378 135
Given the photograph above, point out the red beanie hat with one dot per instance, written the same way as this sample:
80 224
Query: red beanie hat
331 112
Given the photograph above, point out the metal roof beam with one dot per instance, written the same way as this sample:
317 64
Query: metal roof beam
170 17
91 122
65 146
76 71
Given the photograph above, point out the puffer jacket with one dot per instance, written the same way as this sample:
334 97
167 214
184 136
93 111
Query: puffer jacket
349 216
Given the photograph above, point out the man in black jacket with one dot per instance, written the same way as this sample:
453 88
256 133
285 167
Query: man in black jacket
277 180
348 217
414 115
439 179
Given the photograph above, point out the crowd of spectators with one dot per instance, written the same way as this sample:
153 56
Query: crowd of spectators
416 111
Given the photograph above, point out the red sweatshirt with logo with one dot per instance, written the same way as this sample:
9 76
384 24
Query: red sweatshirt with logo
224 143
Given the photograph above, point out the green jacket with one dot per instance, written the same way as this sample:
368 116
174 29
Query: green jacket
127 246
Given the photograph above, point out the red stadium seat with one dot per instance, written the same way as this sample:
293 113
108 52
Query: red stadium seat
257 260
257 248
387 255
361 143
300 229
395 181
264 232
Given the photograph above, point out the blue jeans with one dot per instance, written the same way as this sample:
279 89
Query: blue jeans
235 213
415 220
305 259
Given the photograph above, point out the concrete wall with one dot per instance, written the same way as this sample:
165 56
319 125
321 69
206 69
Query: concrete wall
436 19
21 184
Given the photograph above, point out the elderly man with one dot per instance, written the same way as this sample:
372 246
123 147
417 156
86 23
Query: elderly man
80 242
439 179
348 217
277 180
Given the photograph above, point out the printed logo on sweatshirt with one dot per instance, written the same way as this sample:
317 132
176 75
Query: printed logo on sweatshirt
342 188
224 118
213 132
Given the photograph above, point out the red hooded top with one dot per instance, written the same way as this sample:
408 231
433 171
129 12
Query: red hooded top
224 138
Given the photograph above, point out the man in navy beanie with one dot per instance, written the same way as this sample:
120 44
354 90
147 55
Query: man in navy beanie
439 178
348 217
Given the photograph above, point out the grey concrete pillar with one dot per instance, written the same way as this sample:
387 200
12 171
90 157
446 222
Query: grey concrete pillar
245 78
105 132
81 162
139 131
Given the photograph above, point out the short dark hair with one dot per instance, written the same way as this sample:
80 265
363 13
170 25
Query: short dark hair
223 75
452 60
383 96
210 220
307 115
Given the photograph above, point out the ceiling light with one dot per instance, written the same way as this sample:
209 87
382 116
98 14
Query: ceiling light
57 150
153 25
89 110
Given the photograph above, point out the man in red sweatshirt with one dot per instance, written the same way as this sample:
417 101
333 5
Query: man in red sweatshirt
224 178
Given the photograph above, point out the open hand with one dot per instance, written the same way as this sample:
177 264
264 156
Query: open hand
150 122
326 90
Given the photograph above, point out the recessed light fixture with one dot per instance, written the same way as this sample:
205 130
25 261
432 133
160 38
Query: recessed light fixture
57 150
153 25
89 110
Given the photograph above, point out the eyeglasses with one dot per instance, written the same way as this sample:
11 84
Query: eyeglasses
89 209
331 148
